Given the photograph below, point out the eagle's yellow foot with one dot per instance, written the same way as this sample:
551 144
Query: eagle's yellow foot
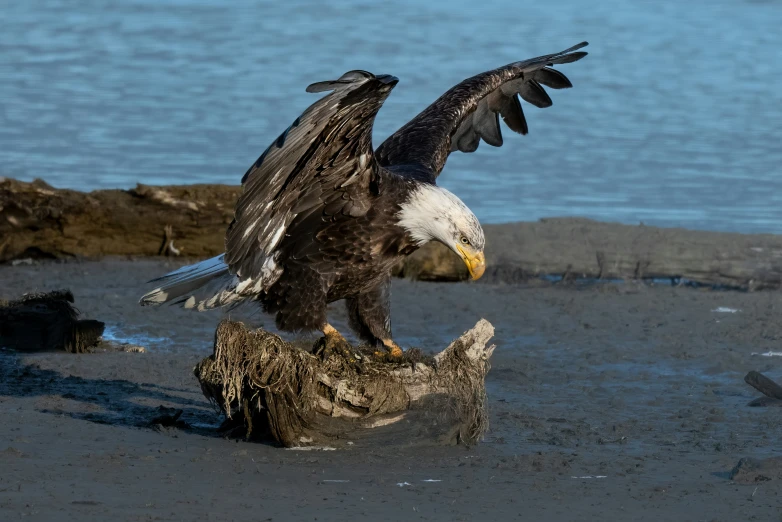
394 351
331 333
335 343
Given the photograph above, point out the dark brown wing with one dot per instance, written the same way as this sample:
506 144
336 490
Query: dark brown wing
322 163
471 111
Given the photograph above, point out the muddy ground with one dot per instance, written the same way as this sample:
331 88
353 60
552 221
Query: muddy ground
608 402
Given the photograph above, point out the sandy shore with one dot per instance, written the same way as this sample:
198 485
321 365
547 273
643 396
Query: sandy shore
609 402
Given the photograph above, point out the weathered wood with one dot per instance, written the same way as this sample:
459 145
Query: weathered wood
46 322
299 399
37 220
764 385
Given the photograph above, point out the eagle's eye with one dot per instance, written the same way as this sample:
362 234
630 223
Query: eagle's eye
465 241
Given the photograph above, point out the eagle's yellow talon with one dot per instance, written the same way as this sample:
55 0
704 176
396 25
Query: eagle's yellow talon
393 349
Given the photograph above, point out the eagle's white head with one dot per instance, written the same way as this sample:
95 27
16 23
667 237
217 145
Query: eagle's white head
434 213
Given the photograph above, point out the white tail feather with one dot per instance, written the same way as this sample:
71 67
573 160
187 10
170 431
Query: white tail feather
209 284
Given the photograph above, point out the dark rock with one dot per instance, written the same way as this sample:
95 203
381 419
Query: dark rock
47 322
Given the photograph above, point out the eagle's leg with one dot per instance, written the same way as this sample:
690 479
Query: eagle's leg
330 331
393 349
370 316
299 299
334 342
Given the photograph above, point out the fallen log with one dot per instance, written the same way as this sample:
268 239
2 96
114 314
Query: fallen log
47 322
771 390
272 389
37 220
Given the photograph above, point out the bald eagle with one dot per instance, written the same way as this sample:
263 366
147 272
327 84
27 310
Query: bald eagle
323 217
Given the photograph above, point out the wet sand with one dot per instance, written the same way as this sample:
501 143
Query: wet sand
608 401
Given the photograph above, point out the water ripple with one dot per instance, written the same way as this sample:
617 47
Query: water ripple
673 122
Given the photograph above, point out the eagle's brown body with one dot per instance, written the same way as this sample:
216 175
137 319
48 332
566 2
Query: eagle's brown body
349 258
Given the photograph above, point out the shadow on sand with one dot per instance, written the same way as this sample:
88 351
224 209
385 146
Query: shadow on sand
116 402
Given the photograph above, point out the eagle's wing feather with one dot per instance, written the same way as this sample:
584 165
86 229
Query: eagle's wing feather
471 111
323 163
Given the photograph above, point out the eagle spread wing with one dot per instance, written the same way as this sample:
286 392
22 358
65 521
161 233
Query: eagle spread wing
470 111
322 163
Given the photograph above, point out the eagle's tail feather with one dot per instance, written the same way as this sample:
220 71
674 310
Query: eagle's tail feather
210 278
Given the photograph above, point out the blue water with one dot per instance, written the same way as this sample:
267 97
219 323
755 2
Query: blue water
675 118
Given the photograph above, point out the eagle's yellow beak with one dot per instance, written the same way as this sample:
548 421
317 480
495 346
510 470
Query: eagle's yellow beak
476 262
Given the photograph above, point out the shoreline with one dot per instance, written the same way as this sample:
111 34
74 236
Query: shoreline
189 221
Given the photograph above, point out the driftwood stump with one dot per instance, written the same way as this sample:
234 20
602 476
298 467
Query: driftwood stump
46 322
269 388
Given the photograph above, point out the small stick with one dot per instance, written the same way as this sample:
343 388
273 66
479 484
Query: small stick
764 385
167 233
167 247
